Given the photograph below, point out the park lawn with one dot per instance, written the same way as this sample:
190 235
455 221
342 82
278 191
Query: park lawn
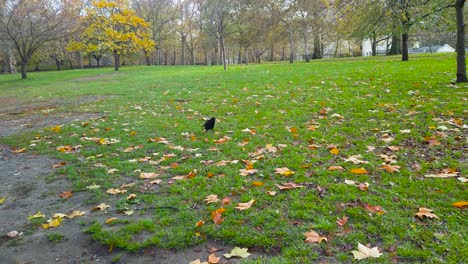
305 117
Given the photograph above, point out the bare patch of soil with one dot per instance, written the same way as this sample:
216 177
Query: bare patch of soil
27 191
37 121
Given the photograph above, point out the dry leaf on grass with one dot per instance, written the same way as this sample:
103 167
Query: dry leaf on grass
211 199
425 212
314 237
364 252
245 206
238 252
284 171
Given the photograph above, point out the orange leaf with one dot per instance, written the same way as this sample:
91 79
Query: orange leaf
58 165
374 209
390 168
342 221
110 220
293 130
213 259
66 194
359 171
200 223
461 205
216 216
209 174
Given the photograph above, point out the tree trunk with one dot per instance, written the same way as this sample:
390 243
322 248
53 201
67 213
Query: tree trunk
306 49
246 52
223 50
291 45
147 58
317 53
59 64
182 51
239 56
461 60
395 48
23 69
272 52
116 60
404 46
374 44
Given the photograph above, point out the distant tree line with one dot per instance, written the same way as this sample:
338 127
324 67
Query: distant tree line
220 32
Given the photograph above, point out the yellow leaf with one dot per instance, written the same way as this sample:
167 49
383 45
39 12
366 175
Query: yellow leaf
37 215
2 200
55 222
461 205
334 151
365 252
257 184
293 130
55 129
284 171
75 213
110 220
359 171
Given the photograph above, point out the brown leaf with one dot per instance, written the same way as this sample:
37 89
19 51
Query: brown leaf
200 223
425 212
335 168
66 194
245 206
375 209
216 216
58 165
393 148
110 220
226 201
213 259
314 237
342 221
148 175
289 185
101 207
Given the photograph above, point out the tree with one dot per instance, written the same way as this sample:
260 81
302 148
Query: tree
461 60
111 26
30 24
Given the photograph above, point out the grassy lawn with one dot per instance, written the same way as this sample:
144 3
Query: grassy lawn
406 121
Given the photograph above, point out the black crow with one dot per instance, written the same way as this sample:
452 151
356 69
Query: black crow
209 124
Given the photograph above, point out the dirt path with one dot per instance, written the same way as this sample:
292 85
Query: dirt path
29 185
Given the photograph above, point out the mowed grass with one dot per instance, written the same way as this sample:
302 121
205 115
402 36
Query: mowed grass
360 106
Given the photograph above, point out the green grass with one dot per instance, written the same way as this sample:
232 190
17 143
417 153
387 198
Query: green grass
374 98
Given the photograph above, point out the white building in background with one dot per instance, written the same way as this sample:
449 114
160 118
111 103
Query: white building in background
367 48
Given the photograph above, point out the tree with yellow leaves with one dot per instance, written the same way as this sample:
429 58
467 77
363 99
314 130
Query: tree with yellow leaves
111 26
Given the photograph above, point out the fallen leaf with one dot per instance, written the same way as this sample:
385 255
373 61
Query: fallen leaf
363 186
115 191
148 175
335 168
226 201
238 252
271 193
75 213
216 216
58 165
375 209
59 215
93 186
289 185
314 237
461 205
213 259
284 171
131 196
19 150
359 171
389 168
462 179
257 184
13 234
293 130
37 215
356 159
101 207
364 252
211 199
425 212
66 194
155 181
245 206
54 222
350 182
200 223
112 171
393 148
2 200
342 221
334 151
